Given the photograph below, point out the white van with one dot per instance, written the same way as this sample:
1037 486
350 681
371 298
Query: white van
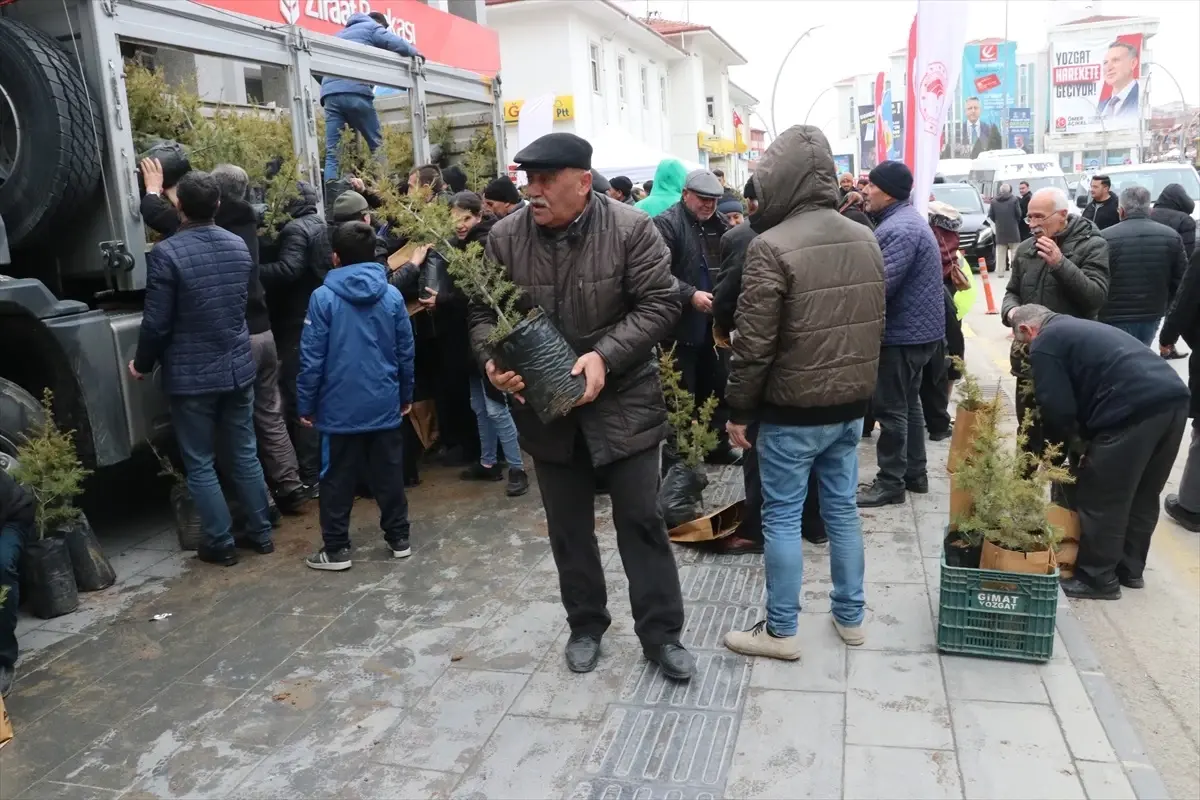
1154 178
1012 166
954 170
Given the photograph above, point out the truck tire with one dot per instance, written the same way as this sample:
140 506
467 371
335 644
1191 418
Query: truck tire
19 413
50 159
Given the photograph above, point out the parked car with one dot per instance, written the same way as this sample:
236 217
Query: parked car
1152 177
977 236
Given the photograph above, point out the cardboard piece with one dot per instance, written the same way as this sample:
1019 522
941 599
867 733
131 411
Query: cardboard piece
1001 560
6 728
716 524
423 417
962 439
961 501
1068 549
397 260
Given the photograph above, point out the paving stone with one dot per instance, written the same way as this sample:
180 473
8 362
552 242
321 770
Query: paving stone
1105 781
822 664
604 789
249 658
38 748
518 639
134 560
1082 728
705 624
32 643
446 731
379 781
898 617
901 773
203 768
360 631
1012 750
168 540
988 679
554 691
663 746
888 518
173 565
54 790
896 700
719 684
814 597
331 595
266 715
931 532
789 745
528 757
893 558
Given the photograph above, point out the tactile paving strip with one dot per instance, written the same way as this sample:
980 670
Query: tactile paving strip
601 789
719 684
649 746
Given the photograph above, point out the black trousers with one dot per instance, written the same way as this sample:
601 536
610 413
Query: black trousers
704 375
1039 433
378 457
935 392
1117 492
568 495
897 408
812 526
305 440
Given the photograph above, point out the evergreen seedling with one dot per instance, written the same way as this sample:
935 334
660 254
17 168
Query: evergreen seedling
970 393
695 437
49 467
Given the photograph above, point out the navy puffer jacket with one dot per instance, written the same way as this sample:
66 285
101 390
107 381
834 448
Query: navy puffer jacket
912 265
194 321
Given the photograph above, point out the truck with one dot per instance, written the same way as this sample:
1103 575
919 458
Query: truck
72 243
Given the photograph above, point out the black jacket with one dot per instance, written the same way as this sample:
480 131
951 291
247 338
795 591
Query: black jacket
303 259
734 244
234 215
858 216
1146 264
1090 377
1103 214
1006 213
1174 208
686 237
1022 225
16 504
1184 320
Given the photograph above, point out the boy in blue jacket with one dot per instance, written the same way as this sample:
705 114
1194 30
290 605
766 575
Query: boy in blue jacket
355 385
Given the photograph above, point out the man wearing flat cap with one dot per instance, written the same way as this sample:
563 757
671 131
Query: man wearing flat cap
692 229
602 274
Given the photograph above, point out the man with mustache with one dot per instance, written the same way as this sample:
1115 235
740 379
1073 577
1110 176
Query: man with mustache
601 272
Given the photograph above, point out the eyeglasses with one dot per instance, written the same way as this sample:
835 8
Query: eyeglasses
1032 218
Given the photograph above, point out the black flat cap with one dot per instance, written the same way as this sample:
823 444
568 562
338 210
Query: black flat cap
555 151
600 183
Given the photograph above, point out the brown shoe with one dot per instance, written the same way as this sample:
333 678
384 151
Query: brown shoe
734 545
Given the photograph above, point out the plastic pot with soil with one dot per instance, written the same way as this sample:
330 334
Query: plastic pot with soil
681 493
537 352
93 571
187 519
49 578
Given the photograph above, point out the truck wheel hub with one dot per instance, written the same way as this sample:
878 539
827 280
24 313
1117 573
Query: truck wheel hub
10 136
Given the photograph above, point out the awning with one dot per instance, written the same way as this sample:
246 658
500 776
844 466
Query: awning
616 152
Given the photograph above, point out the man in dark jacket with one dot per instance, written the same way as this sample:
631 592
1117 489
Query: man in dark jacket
1184 320
194 325
1005 213
303 258
351 103
916 326
1103 209
501 196
809 321
1025 196
692 230
1146 264
356 384
1062 266
16 528
619 305
620 189
1124 410
1174 208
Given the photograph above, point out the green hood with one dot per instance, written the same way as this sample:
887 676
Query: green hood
668 187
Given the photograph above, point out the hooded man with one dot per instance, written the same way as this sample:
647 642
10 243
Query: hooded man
1174 208
666 188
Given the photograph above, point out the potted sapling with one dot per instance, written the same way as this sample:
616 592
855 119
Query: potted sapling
970 401
188 530
681 495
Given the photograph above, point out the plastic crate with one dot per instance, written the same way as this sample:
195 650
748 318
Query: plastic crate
1006 615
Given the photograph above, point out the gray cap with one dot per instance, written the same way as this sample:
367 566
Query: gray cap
704 183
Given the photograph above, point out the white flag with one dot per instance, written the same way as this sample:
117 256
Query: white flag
935 52
534 120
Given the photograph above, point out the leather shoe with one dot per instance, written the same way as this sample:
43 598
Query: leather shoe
262 548
1130 582
1188 520
674 661
583 651
1074 587
875 496
734 545
940 436
917 485
221 556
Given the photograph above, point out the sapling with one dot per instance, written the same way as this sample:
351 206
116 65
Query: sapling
695 437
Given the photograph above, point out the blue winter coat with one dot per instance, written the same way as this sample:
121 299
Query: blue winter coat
356 353
361 29
194 320
912 266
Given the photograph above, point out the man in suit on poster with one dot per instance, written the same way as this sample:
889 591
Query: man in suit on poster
977 135
1121 64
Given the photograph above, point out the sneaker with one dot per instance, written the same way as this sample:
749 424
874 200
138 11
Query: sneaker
8 675
400 547
757 641
221 556
852 635
313 490
478 472
336 561
875 495
518 483
293 502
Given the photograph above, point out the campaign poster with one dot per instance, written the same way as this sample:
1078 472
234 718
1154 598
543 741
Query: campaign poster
989 81
896 150
843 164
1020 129
866 138
1096 83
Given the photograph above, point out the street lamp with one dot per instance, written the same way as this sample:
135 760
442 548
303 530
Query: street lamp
1182 99
779 74
814 103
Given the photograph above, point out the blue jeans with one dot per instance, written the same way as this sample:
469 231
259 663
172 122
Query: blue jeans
495 421
356 111
12 541
786 455
198 421
1143 330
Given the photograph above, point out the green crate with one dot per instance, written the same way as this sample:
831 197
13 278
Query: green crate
997 614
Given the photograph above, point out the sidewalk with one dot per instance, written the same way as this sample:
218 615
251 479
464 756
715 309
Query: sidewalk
443 676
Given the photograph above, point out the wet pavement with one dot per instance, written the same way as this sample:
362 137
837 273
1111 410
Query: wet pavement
442 676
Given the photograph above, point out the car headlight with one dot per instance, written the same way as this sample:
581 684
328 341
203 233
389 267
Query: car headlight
986 235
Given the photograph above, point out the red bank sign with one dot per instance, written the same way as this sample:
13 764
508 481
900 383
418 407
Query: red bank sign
442 38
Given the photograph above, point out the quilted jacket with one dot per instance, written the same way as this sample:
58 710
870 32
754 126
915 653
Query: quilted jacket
361 29
913 271
304 258
194 320
1146 263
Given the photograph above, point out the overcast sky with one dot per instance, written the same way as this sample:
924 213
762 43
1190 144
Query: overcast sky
857 35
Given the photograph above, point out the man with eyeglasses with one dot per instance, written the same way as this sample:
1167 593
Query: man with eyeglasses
1062 266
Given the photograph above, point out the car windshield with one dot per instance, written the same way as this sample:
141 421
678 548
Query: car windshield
964 199
1155 180
1057 181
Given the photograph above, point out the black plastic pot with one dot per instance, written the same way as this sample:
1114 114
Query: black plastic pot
172 157
187 519
93 570
51 586
681 495
537 352
959 553
434 276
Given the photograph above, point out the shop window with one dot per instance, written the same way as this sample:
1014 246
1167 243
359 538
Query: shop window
621 92
594 57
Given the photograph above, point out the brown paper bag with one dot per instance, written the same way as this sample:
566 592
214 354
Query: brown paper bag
6 728
1001 560
962 439
717 524
1068 549
424 421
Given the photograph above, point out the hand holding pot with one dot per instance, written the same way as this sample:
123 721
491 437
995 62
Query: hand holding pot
507 382
152 175
429 300
418 255
594 370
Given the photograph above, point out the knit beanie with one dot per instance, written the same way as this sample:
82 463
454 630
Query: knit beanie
894 178
349 206
502 190
730 205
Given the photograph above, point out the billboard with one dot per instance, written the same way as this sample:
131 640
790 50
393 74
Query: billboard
988 83
1095 83
1020 129
843 164
866 138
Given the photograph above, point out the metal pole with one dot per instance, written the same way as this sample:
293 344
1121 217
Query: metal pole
779 74
1182 99
814 103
